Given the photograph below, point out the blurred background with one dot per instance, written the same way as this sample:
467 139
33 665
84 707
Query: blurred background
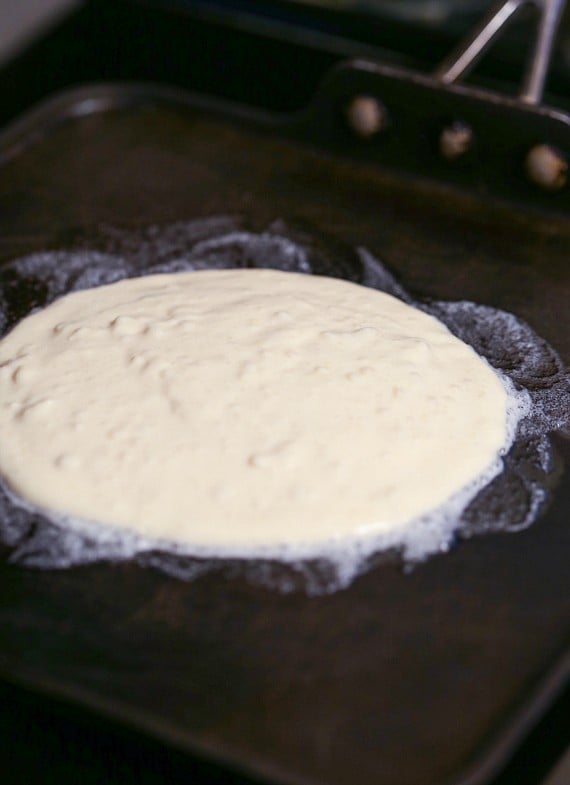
416 32
22 20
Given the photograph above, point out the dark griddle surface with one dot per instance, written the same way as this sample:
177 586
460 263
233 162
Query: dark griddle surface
412 679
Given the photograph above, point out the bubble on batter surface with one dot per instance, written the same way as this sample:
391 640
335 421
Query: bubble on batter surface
508 497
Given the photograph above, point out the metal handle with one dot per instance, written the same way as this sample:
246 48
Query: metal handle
470 51
537 69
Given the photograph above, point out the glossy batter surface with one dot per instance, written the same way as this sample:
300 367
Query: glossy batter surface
242 408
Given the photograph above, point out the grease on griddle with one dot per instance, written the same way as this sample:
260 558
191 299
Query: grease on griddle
512 501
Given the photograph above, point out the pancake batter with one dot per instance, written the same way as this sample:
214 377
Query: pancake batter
235 410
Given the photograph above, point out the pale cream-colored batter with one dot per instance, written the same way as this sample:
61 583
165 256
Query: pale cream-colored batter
243 408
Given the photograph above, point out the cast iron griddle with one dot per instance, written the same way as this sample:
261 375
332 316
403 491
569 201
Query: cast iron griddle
425 678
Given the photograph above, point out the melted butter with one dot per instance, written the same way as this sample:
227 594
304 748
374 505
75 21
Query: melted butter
243 409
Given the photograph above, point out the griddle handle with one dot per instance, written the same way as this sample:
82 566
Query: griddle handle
463 59
535 77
